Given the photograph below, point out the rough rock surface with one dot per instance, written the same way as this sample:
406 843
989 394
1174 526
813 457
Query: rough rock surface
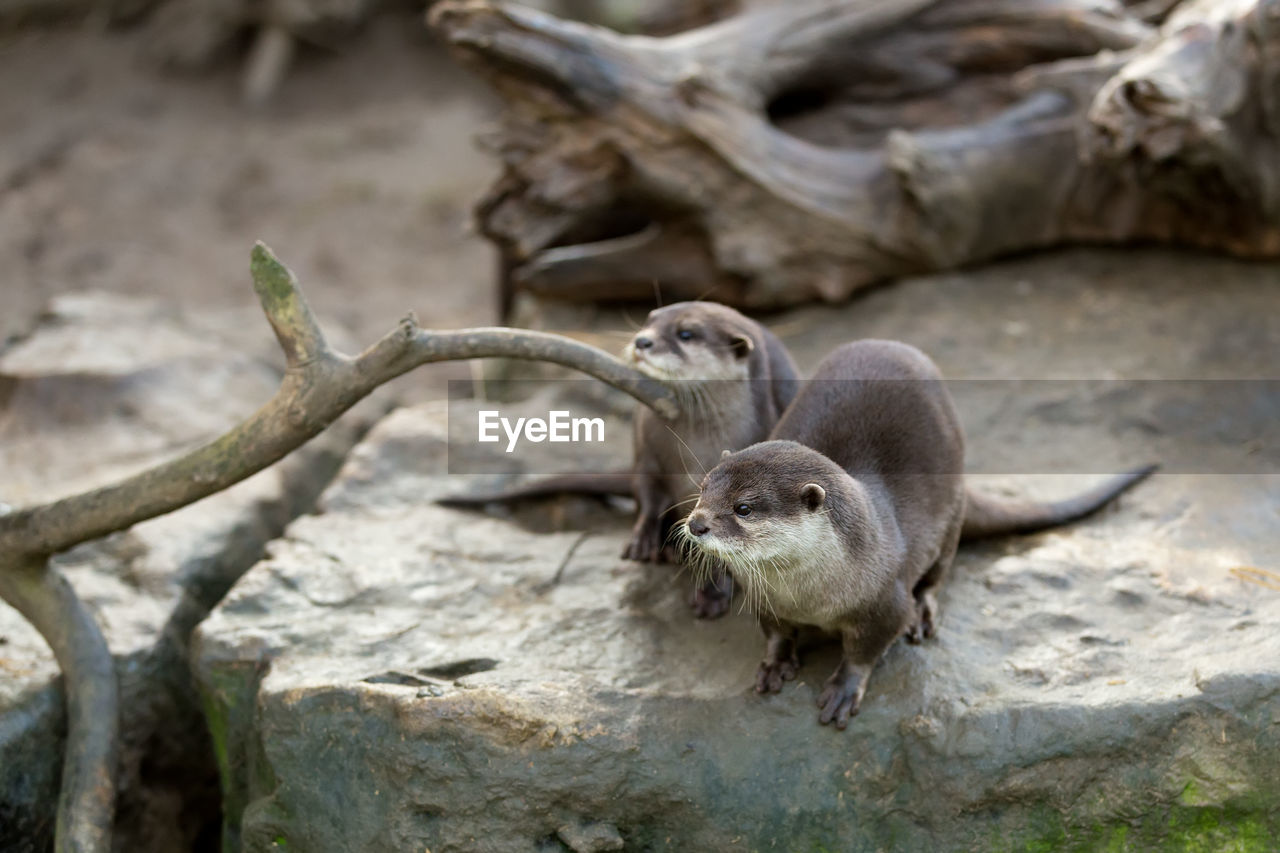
397 675
106 386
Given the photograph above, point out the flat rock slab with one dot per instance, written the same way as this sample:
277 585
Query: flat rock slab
106 386
403 676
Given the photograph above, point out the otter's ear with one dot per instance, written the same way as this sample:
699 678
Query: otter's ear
741 345
813 495
725 454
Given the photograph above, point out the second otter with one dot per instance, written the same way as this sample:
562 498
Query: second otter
849 517
733 378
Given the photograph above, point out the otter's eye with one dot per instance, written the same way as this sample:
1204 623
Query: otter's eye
743 509
685 334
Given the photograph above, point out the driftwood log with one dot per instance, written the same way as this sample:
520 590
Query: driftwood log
803 150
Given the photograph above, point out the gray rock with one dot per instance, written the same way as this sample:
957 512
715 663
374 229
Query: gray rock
590 837
402 676
104 387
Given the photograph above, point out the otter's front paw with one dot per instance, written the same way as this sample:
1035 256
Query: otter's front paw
926 619
771 674
645 545
841 698
711 600
927 615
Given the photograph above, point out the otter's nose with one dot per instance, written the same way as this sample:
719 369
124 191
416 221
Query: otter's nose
698 525
643 343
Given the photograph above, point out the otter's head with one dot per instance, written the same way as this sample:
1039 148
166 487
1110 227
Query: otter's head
764 508
693 341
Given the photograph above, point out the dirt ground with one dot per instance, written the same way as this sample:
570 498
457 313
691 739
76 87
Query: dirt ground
360 175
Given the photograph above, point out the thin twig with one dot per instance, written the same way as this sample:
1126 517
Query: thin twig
1254 575
554 581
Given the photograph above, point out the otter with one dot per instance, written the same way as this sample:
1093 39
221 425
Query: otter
849 517
733 379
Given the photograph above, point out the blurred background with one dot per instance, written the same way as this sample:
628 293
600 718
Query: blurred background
137 158
119 173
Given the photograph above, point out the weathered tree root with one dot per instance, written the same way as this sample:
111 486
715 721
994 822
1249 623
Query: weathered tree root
319 385
804 150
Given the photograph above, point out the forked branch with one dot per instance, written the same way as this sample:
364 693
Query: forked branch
319 385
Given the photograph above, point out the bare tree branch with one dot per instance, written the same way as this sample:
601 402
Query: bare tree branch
319 385
86 804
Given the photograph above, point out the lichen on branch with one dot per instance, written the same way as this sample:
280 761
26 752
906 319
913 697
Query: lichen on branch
277 287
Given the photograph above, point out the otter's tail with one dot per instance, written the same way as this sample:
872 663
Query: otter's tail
988 516
610 483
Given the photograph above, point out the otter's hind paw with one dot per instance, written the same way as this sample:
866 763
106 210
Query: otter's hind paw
771 674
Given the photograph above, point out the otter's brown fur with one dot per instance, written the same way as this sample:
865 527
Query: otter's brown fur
849 517
733 377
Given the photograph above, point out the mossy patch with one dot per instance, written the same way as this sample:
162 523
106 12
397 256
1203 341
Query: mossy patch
1174 828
